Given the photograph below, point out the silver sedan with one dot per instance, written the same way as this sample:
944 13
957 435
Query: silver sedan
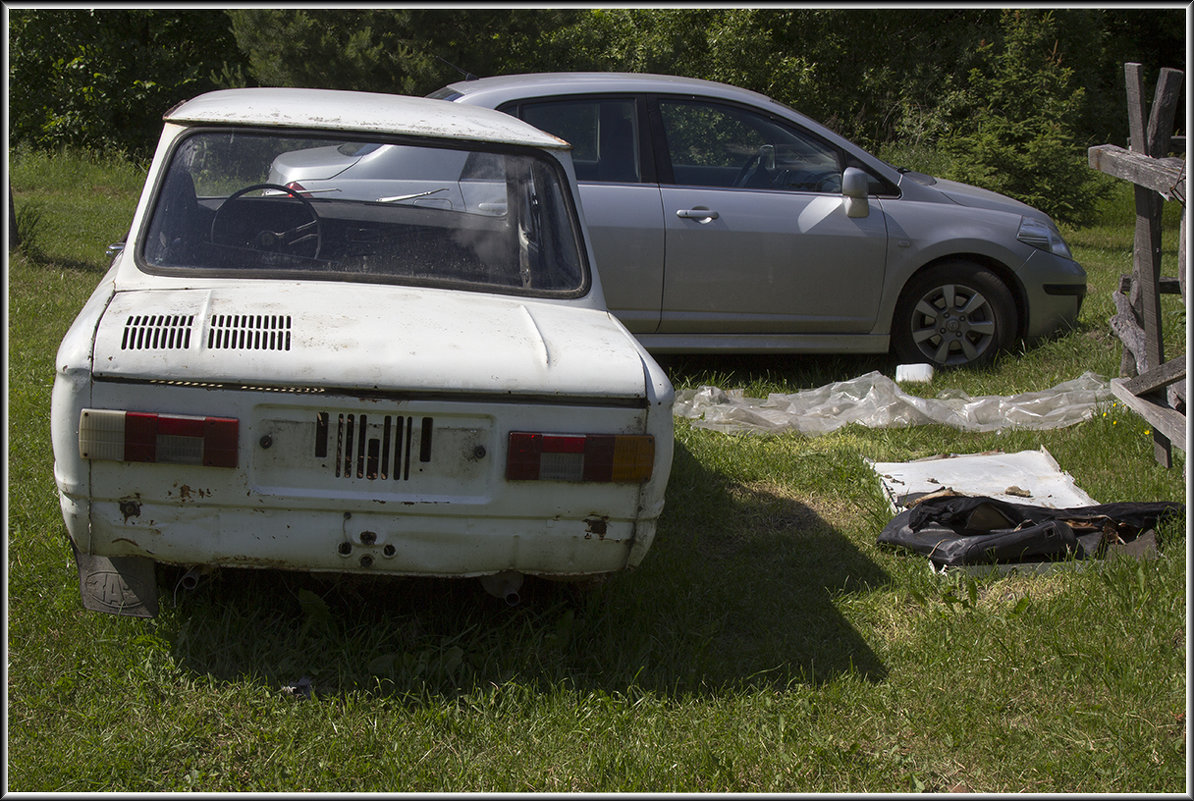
725 221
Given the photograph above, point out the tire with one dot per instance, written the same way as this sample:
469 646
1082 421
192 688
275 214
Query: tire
953 314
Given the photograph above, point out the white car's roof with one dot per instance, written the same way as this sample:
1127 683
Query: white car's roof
368 112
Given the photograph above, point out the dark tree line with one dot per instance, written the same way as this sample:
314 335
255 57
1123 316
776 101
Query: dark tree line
1004 93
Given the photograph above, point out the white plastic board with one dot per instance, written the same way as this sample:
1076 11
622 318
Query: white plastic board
1033 477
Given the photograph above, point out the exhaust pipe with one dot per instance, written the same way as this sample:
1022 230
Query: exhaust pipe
504 585
190 579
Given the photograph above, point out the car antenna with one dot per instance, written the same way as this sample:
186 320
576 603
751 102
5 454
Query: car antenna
468 76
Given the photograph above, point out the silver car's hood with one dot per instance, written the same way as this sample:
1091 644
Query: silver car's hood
367 337
974 197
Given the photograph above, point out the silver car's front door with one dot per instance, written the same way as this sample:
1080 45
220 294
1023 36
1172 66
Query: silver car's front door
621 203
756 234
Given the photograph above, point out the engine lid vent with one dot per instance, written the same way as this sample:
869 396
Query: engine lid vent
157 332
249 332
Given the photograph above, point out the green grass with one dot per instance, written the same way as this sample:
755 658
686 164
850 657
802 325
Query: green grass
765 644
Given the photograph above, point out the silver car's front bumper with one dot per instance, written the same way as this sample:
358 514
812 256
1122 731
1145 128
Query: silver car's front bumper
1054 295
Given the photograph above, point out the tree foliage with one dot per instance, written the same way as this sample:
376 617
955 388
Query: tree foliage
1013 96
403 51
102 78
1015 122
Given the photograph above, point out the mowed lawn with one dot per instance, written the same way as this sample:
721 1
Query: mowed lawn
766 644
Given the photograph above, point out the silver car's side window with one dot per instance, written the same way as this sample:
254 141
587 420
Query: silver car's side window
602 132
716 145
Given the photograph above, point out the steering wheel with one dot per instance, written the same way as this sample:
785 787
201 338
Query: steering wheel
747 168
829 181
239 224
752 164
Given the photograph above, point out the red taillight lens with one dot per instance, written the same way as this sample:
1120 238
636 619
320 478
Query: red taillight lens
617 458
299 188
146 437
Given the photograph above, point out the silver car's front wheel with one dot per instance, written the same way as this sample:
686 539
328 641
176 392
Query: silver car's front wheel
953 314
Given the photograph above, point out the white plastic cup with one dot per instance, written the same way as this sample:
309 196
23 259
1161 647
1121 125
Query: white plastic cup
914 372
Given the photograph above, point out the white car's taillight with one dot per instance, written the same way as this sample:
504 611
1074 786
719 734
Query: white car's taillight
607 458
145 437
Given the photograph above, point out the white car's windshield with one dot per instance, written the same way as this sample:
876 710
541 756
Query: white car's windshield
265 204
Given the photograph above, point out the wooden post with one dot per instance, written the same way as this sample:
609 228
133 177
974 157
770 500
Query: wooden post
1146 268
1150 386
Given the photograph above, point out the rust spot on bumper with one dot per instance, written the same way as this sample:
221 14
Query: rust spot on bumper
596 525
130 507
185 492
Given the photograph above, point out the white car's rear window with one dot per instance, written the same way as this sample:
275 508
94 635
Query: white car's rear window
260 204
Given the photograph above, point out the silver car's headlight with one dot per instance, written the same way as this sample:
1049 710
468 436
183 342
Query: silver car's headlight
1044 236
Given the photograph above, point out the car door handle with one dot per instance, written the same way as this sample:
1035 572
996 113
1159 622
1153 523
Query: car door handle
698 214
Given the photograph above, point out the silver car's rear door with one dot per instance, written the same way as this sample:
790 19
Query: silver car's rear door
626 228
619 196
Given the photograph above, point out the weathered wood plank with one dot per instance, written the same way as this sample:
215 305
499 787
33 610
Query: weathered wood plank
1168 373
1132 336
1168 285
1170 423
1148 212
1164 176
1134 82
1147 272
1164 109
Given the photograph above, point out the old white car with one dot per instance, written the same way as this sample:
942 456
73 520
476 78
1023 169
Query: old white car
422 382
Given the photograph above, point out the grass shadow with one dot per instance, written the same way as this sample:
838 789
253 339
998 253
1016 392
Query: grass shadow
738 591
759 373
37 258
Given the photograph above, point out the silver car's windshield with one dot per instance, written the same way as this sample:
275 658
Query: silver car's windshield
262 204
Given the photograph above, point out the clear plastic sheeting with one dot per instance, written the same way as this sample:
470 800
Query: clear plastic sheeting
875 401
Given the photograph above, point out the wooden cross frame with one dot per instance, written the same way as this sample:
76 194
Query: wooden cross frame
1150 386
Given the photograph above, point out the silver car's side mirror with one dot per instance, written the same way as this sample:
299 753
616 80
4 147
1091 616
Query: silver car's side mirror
854 190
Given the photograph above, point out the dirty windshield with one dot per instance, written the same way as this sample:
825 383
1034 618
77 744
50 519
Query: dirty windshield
270 205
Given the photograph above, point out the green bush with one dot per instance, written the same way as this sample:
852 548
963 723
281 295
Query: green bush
101 79
1021 112
920 157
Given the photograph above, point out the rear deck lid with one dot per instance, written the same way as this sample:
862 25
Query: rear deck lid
367 337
